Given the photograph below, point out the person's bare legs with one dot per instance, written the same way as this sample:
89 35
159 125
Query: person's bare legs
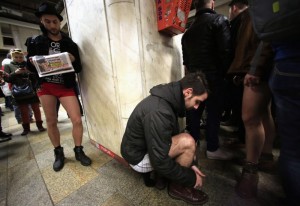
71 105
49 106
183 149
254 111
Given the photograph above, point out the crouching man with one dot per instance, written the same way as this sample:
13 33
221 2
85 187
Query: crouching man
152 140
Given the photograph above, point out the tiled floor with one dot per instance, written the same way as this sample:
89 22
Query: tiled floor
27 178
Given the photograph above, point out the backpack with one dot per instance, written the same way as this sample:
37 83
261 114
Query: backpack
275 19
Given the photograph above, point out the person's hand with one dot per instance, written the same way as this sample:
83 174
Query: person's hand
199 176
72 58
251 80
21 70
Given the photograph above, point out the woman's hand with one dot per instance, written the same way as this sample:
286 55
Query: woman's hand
251 80
21 70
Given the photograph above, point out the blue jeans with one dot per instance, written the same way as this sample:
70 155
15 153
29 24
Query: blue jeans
213 104
285 85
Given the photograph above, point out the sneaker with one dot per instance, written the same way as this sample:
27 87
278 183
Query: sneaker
219 154
80 156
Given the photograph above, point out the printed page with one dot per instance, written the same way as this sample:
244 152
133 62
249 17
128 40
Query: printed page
53 64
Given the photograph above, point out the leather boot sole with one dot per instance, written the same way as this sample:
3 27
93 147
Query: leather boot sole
187 201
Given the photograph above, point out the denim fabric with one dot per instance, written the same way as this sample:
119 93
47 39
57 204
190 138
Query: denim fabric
17 113
285 85
213 105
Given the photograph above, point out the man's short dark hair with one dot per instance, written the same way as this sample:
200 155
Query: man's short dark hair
196 81
200 3
239 3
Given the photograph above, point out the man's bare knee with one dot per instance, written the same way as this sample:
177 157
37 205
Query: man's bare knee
77 122
187 142
51 122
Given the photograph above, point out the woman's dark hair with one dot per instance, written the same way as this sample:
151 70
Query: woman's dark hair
196 81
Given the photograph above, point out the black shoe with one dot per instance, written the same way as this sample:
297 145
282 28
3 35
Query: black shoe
59 159
80 156
147 179
3 134
4 139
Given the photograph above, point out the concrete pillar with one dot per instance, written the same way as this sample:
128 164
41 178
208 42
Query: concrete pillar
123 57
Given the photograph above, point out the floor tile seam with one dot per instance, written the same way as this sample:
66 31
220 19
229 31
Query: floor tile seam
39 169
117 192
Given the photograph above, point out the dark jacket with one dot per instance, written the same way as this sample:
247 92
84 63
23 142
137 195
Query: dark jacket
206 44
20 79
245 43
150 129
40 46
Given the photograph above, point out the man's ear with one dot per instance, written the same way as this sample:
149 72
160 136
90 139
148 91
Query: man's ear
188 92
234 8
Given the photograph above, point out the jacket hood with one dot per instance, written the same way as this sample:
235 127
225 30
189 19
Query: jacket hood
172 93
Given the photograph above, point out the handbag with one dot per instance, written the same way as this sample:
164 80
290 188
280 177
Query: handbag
6 90
23 91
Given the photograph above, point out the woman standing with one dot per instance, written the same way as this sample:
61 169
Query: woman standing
18 77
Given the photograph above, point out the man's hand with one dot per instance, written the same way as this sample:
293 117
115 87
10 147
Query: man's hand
199 176
251 80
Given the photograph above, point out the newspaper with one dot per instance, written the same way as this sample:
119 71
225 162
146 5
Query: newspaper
53 64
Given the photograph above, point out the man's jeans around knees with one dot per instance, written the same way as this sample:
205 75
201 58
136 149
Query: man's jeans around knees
285 85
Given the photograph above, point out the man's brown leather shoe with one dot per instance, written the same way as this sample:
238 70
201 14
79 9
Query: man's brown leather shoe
187 194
